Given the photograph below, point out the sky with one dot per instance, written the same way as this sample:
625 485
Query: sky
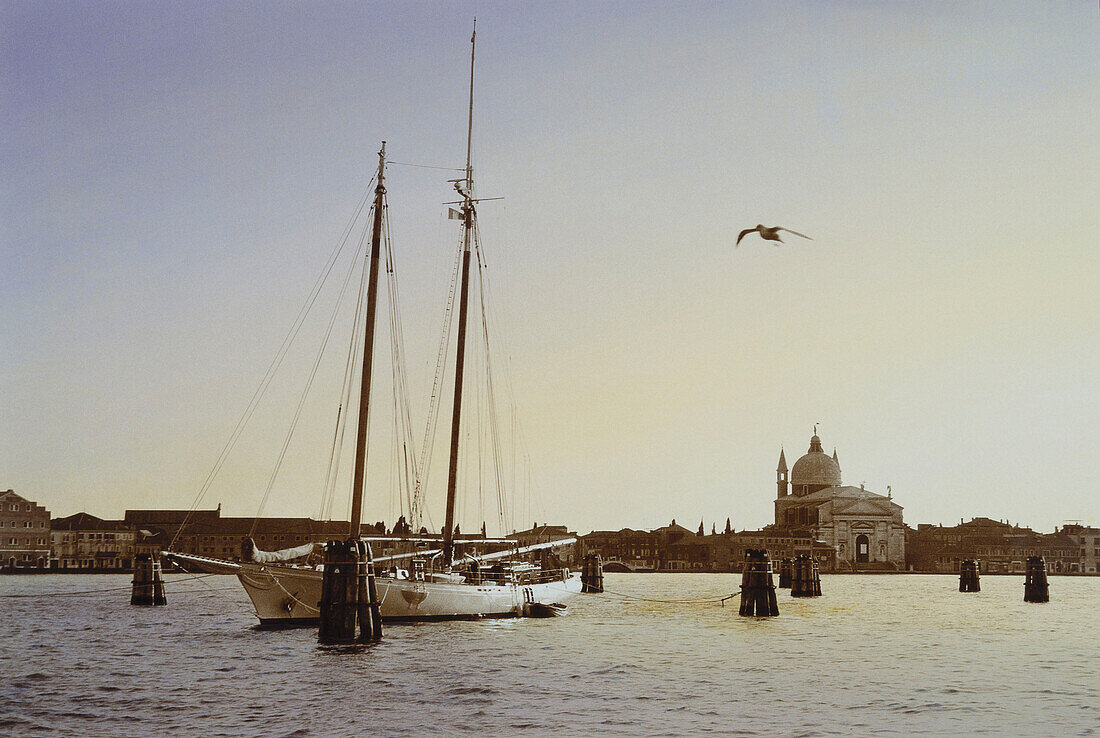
173 177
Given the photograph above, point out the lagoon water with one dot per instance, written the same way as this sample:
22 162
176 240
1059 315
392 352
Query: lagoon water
886 655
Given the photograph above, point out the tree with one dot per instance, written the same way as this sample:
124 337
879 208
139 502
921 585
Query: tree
728 531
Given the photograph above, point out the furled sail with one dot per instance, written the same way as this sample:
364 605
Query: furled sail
250 552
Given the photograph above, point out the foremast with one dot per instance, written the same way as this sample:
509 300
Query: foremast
368 349
469 214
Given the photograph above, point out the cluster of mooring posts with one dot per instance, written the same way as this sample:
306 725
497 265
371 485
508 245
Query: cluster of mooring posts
805 577
968 576
349 594
1035 580
784 573
148 587
592 574
757 588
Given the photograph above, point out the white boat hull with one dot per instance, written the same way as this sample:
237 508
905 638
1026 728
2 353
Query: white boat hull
286 596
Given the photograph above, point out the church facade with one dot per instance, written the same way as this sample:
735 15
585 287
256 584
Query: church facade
865 529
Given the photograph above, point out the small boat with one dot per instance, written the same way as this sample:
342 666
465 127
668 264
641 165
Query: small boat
456 579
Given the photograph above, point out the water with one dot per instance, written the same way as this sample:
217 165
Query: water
875 655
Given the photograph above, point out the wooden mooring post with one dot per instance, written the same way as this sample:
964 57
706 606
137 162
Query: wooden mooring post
784 573
757 588
968 576
592 574
148 587
1035 580
805 577
349 596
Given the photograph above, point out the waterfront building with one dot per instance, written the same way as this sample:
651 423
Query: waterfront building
24 533
675 548
88 543
626 549
999 547
865 529
780 543
545 533
669 548
207 533
1088 539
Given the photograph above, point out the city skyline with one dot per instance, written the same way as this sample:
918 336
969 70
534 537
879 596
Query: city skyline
176 175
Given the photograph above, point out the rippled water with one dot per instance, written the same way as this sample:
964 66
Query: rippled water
876 654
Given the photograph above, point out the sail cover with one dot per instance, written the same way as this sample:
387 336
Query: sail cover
271 557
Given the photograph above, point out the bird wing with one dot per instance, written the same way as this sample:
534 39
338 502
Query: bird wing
788 230
744 233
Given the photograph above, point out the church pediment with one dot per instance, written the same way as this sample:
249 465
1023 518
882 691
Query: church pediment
862 507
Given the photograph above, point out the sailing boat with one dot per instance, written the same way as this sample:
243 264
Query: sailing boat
432 584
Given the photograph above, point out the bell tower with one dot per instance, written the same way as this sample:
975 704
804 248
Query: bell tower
781 474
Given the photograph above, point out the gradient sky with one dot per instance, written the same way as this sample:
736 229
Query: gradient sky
175 174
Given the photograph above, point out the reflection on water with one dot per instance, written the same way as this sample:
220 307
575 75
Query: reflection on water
656 655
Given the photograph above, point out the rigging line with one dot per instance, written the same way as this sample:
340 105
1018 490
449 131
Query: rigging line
402 410
424 166
494 429
276 362
331 456
309 383
329 490
502 507
430 425
349 380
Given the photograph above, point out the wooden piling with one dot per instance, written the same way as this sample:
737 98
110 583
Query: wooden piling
1035 580
592 574
349 595
968 576
147 586
757 587
805 577
338 595
362 593
373 604
785 574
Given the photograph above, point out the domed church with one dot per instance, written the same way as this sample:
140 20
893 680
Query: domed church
864 528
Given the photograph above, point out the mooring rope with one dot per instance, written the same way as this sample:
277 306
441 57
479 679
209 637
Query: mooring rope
696 600
236 603
94 591
625 596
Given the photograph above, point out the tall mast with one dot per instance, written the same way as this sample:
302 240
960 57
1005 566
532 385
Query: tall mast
368 351
468 215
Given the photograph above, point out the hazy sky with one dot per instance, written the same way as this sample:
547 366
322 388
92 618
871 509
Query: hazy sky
173 176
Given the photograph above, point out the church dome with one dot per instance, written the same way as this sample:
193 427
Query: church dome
815 469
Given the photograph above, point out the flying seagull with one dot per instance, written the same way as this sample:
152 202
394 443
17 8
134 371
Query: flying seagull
768 234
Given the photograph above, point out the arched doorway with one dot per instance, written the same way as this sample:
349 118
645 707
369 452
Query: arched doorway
863 549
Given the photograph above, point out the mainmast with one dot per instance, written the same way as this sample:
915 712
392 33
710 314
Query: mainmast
368 351
465 188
